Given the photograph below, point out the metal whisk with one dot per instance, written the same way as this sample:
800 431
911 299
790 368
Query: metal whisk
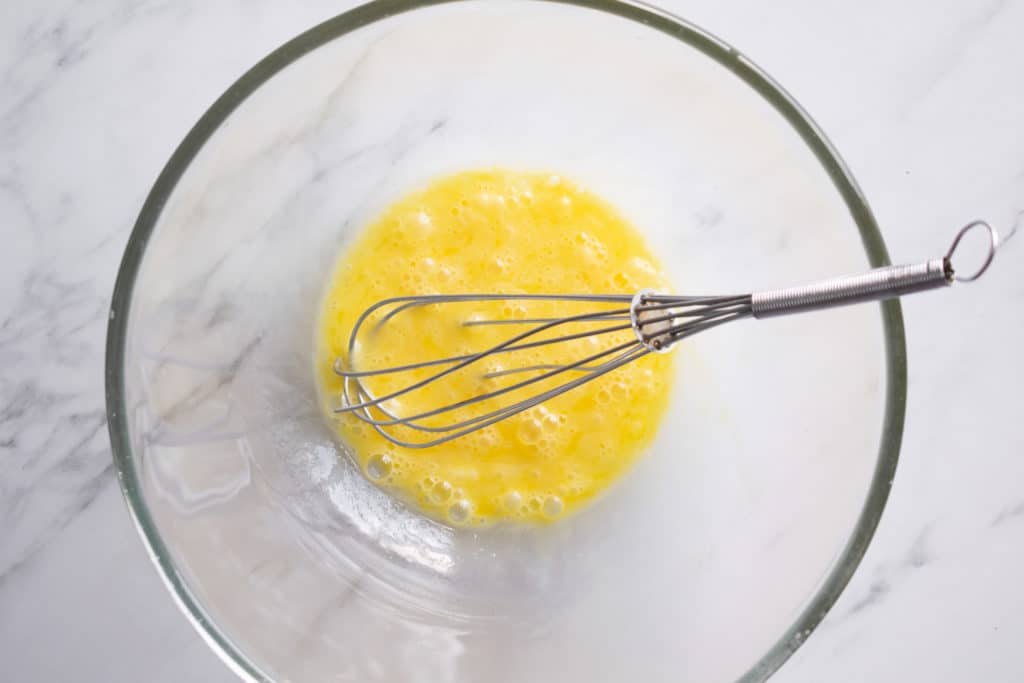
658 321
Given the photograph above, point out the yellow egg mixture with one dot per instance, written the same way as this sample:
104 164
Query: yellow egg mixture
495 232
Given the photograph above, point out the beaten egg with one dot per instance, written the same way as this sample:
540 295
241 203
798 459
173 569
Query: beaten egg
495 231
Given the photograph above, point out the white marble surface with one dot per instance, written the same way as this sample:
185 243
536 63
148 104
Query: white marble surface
923 99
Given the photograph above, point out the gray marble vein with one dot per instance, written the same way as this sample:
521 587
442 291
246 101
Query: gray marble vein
1009 514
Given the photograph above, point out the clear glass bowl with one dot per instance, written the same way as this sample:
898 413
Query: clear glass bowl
719 553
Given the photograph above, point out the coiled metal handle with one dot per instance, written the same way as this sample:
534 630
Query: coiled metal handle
875 285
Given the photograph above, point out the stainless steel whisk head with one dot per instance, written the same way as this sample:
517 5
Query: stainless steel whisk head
657 322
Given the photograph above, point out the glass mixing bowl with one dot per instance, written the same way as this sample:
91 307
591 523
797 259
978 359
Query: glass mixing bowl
713 560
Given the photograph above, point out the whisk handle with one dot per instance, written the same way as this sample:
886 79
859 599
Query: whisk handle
876 285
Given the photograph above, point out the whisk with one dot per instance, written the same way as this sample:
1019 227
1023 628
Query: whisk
658 322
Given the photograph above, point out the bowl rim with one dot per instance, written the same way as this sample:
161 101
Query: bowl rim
654 18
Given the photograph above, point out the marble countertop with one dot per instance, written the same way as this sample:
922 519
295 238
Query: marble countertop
922 98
